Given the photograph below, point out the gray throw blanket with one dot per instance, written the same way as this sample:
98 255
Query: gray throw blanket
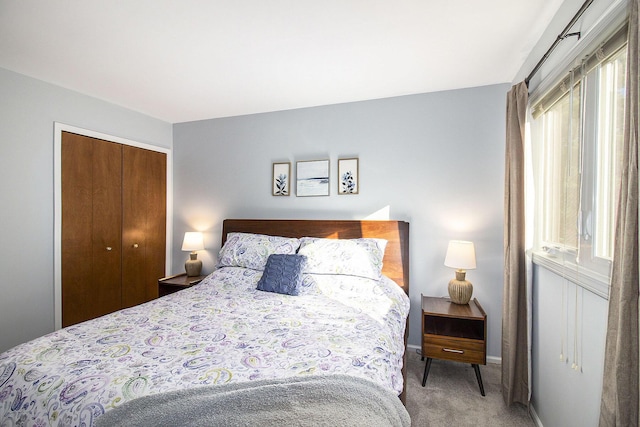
336 400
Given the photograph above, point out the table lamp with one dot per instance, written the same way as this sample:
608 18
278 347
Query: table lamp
461 255
193 242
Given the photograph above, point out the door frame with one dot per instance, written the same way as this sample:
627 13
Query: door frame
57 201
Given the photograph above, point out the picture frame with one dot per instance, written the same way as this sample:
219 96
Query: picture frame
348 176
281 179
312 178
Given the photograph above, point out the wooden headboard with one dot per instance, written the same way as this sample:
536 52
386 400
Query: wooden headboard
396 256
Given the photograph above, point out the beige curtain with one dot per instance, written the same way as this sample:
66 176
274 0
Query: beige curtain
515 354
619 405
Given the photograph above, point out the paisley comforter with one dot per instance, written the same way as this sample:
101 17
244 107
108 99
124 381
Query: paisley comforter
220 331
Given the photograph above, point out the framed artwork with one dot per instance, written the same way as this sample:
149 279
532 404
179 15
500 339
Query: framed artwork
281 179
312 178
348 176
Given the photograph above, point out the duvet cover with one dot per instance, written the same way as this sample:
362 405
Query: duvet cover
220 331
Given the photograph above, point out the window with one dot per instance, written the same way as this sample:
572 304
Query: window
609 143
561 154
576 137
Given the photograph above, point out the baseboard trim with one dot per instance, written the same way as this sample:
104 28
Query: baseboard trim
534 416
494 360
490 359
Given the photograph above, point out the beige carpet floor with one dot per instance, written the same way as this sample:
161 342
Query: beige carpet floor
452 397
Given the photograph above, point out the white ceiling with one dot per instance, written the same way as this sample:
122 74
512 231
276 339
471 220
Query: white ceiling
184 60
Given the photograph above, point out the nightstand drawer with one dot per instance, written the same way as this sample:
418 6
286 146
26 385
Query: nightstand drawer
456 349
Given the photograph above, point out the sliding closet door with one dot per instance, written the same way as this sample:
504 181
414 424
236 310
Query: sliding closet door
144 224
91 227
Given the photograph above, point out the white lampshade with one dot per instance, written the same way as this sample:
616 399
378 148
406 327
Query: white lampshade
460 255
193 241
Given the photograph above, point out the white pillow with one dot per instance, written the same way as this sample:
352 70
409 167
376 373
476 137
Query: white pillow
352 257
252 250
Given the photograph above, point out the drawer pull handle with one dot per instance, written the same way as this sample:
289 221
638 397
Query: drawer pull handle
450 350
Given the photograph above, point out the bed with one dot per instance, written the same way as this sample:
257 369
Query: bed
337 340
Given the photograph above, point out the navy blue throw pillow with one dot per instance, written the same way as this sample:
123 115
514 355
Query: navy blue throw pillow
282 274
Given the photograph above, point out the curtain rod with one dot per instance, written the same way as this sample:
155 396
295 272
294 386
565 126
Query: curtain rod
565 33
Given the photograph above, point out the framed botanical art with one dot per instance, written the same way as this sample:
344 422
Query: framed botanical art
348 176
281 179
312 178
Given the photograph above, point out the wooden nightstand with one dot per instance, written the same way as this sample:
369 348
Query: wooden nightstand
454 332
171 284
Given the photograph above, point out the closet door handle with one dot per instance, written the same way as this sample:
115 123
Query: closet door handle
109 248
135 245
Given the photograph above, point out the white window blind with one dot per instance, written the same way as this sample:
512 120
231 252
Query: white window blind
577 134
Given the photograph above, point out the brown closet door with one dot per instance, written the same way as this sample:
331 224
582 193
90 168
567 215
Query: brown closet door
144 224
91 174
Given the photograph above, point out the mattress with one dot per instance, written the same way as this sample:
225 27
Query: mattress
220 331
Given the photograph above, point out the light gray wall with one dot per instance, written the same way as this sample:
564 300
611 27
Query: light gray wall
435 160
28 110
563 396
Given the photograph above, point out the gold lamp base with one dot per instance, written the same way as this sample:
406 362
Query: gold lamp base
193 266
460 290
